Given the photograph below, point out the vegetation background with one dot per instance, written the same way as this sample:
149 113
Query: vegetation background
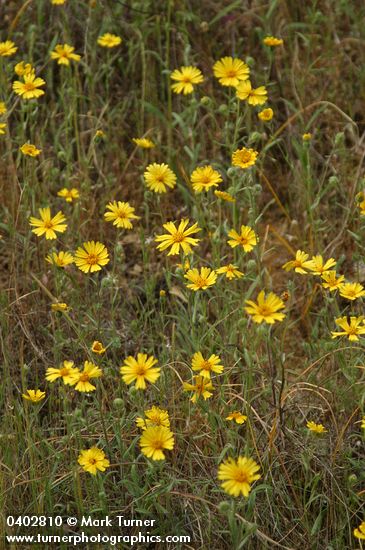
300 196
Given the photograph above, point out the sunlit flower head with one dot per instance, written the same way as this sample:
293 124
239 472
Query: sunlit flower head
318 266
224 196
34 395
23 68
244 158
266 309
352 291
201 280
29 89
47 225
266 114
205 177
352 330
98 348
93 460
316 428
300 264
144 143
66 372
185 78
363 422
109 40
3 108
2 128
60 306
140 370
237 416
92 257
81 379
69 194
331 281
201 387
307 137
121 214
359 532
253 96
30 150
206 367
273 41
7 48
178 237
154 417
230 71
238 475
99 134
247 238
230 271
60 259
154 440
64 54
58 2
159 177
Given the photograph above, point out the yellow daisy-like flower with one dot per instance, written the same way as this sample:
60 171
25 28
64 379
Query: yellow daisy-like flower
237 416
231 271
176 237
318 266
230 71
253 96
145 143
300 264
224 196
154 440
60 259
185 78
58 2
7 48
121 214
3 108
266 309
81 379
331 281
273 41
29 89
159 177
362 207
2 128
352 291
66 372
201 388
69 194
98 348
352 329
244 158
201 280
99 134
363 422
60 306
48 225
316 428
154 417
359 532
92 257
30 150
247 238
93 460
266 114
206 366
140 370
109 40
307 137
34 395
64 54
238 475
23 68
204 178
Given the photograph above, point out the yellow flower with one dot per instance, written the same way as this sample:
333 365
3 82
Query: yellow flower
247 238
224 196
177 237
154 440
316 428
3 108
59 306
30 150
185 78
238 475
23 68
266 309
92 257
145 143
362 207
359 532
81 379
238 417
266 114
92 460
331 282
201 280
158 177
204 177
253 96
66 372
300 264
121 214
2 128
154 417
140 370
307 137
69 194
231 271
230 71
29 89
272 41
98 348
318 266
61 259
352 291
352 329
48 225
206 366
363 422
200 388
7 48
34 395
244 158
58 2
109 40
64 53
99 134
